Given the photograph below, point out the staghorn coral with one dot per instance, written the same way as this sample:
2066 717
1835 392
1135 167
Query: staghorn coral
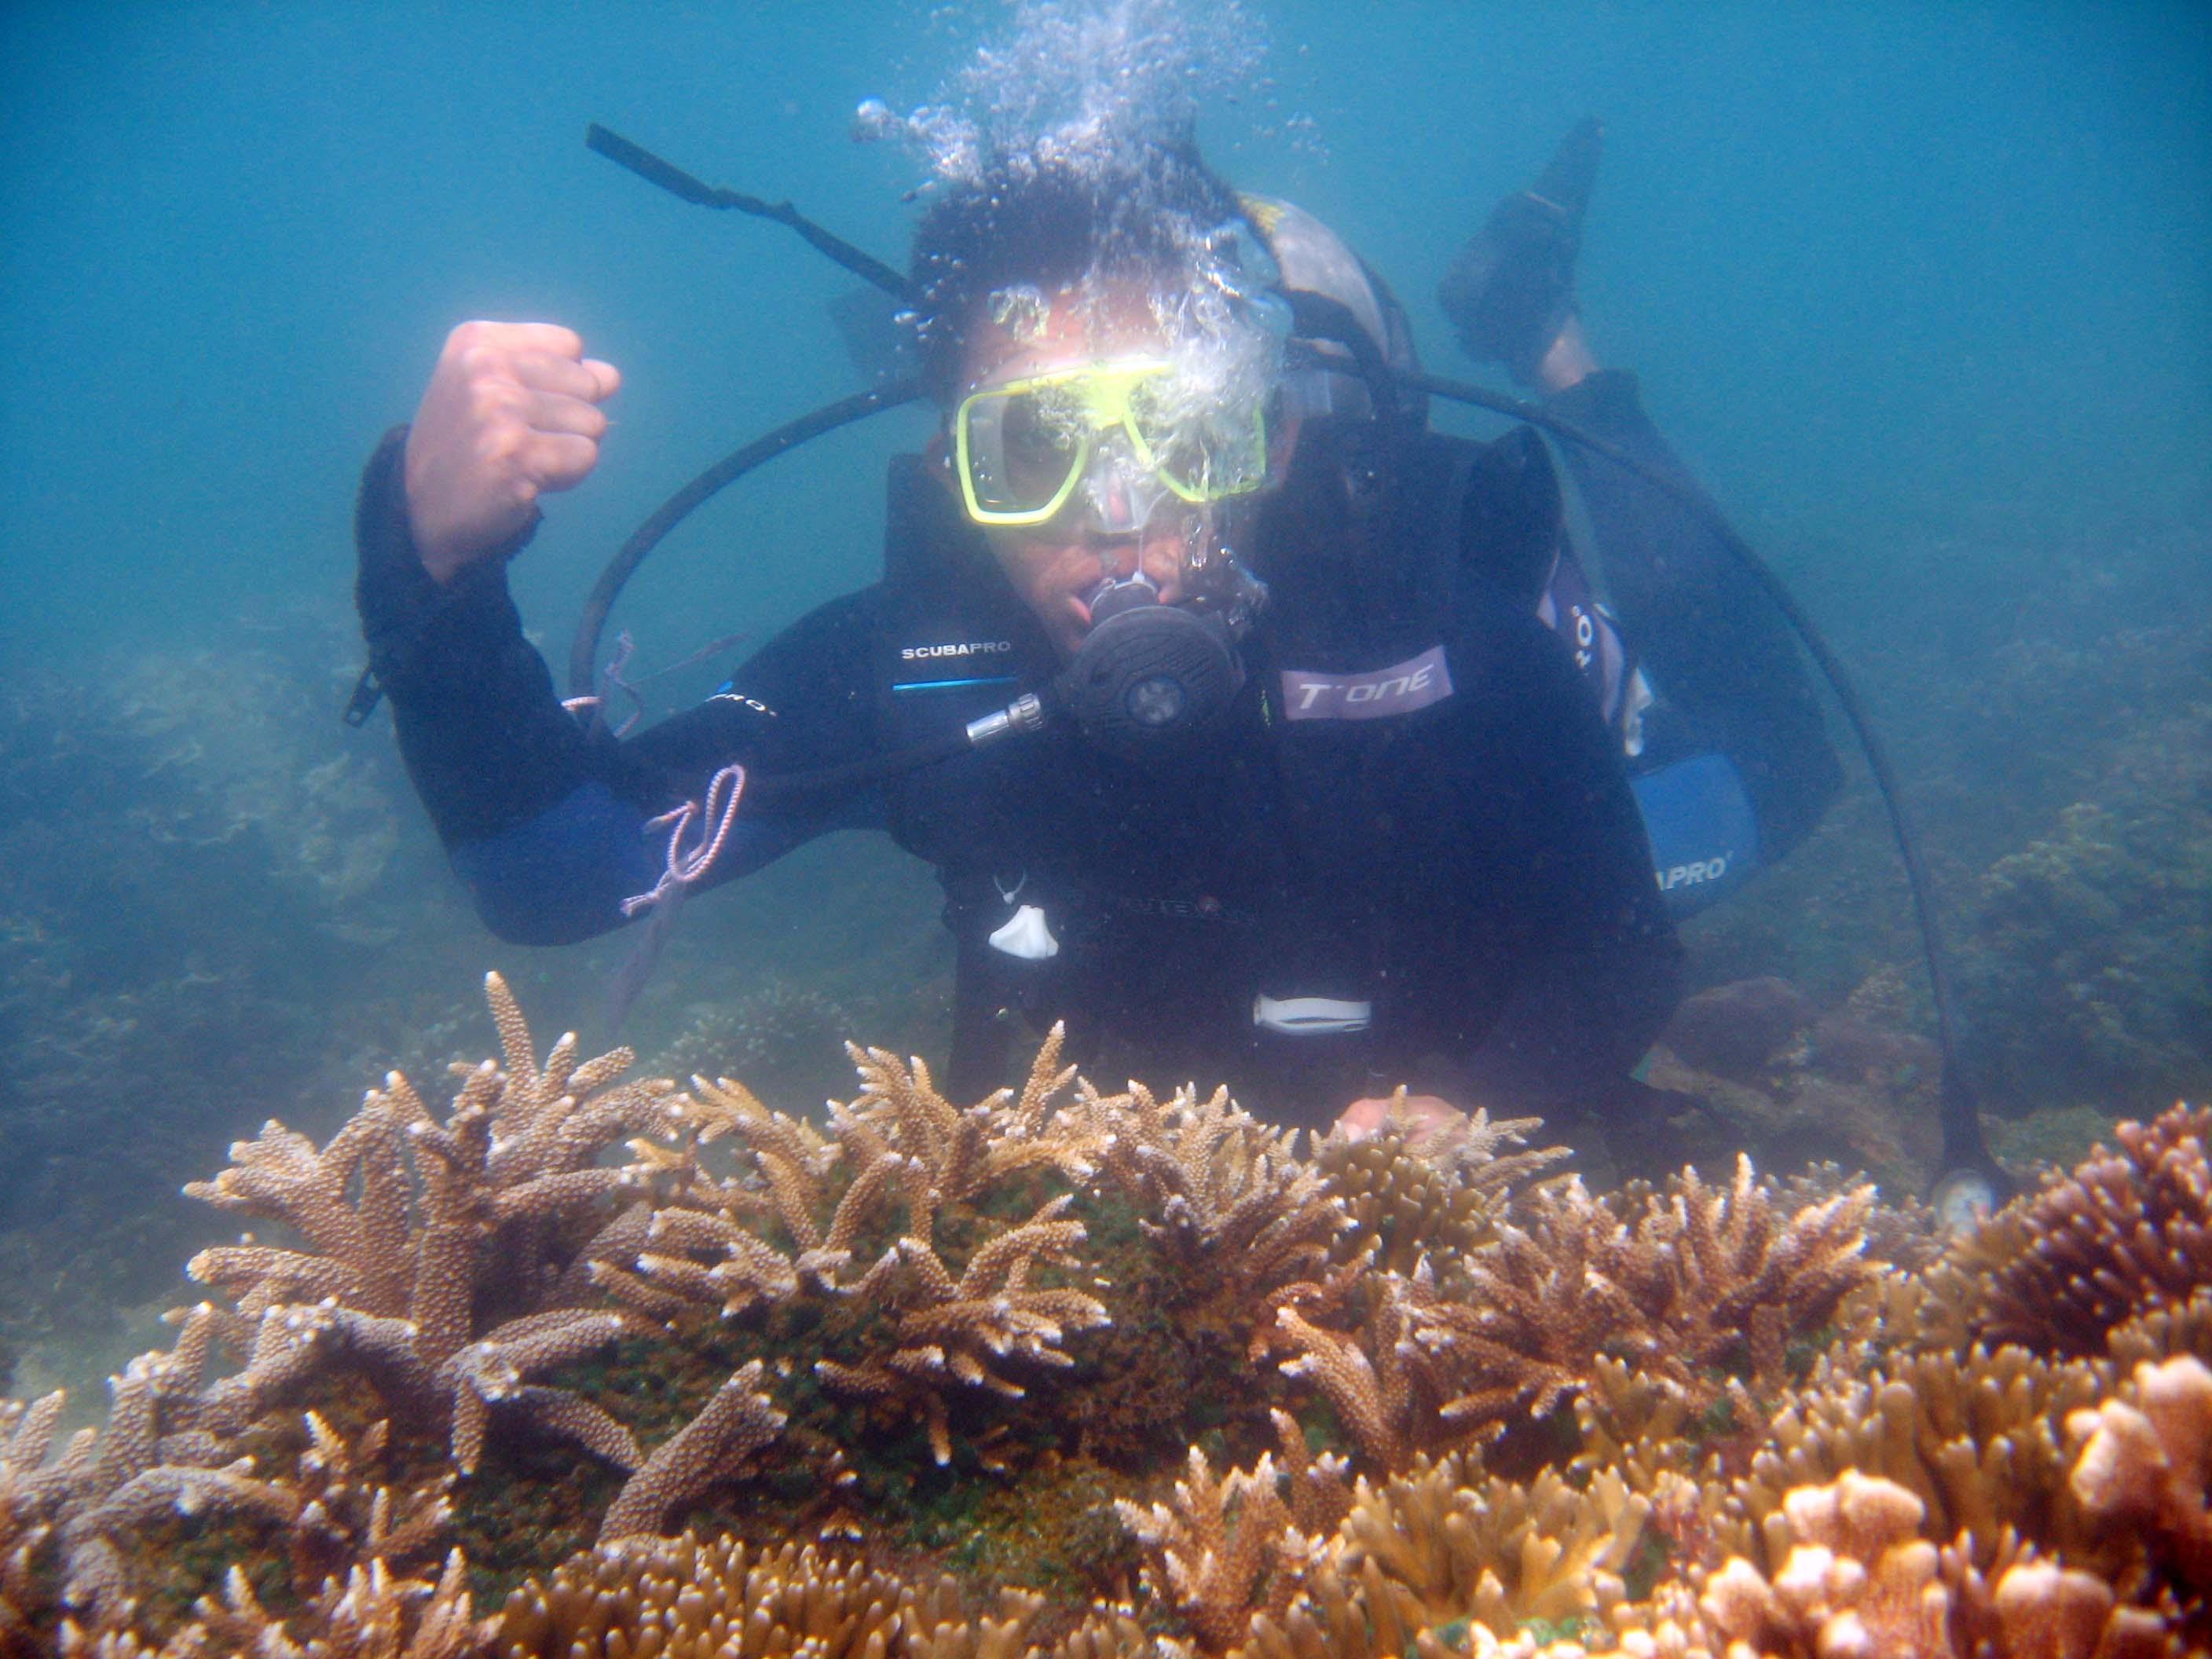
151 1460
1704 1288
683 1596
2128 1231
906 1167
961 1153
713 1447
1445 1544
1230 1548
947 1330
1978 1441
479 1212
787 1600
416 1228
2165 1332
1382 1384
1853 1576
371 1613
1438 1199
1222 1195
347 1515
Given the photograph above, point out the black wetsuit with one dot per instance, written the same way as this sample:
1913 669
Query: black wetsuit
1412 854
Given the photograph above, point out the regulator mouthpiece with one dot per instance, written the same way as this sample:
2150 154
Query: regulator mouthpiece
1148 674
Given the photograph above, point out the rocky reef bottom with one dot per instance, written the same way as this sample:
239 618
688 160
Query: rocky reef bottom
578 1363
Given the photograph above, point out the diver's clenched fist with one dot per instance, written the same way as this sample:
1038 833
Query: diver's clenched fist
512 411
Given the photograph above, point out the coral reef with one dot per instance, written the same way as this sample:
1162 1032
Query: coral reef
2144 1462
2128 1232
584 1364
1855 1576
1438 1197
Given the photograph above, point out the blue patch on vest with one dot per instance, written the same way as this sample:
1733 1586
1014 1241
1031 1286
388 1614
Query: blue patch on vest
1705 839
557 878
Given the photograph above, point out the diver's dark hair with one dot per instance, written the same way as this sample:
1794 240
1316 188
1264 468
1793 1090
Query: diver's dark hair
1053 222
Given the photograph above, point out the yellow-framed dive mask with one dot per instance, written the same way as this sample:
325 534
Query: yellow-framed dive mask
1022 448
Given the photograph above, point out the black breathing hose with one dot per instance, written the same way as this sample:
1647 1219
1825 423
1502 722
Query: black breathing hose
584 653
655 170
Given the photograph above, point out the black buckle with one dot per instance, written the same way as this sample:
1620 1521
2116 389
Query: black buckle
366 694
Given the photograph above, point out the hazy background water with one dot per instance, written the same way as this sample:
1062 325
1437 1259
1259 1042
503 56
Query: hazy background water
1921 289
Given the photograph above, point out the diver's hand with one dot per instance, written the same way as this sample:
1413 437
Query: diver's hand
512 411
1427 1120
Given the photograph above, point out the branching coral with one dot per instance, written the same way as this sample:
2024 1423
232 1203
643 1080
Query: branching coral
1223 1196
151 1460
1779 1445
1705 1287
370 1613
683 1596
1445 1544
347 1514
948 1331
1231 1547
2145 1463
785 1601
1978 1441
713 1447
961 1153
2127 1232
1438 1199
1855 1577
1382 1385
416 1228
956 1300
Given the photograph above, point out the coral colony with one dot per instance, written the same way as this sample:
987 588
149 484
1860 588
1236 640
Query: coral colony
585 1365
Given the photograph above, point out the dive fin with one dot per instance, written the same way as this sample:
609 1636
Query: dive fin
1512 289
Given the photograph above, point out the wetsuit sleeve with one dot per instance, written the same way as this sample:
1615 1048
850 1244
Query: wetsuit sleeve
1728 673
1577 932
544 823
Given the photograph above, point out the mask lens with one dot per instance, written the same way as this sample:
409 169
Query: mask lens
1203 453
1020 452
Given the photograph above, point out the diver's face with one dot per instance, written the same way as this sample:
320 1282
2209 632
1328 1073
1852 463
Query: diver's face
1058 566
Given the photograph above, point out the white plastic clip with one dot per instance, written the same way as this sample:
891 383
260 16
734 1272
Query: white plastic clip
1025 935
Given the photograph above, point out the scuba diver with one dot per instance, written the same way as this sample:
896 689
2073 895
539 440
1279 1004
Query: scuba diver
1254 729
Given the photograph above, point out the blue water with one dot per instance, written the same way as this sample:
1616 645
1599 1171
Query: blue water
1920 290
1873 261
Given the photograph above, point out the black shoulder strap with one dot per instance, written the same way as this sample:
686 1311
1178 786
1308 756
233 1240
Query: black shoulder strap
928 545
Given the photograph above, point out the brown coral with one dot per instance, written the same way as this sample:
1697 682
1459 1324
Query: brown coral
415 1229
785 1600
1702 1288
1978 1441
370 1613
154 1458
2145 1462
1223 1196
1783 1448
2127 1232
1855 1577
1438 1199
948 1333
953 1302
683 1596
1446 1544
714 1447
1231 1547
